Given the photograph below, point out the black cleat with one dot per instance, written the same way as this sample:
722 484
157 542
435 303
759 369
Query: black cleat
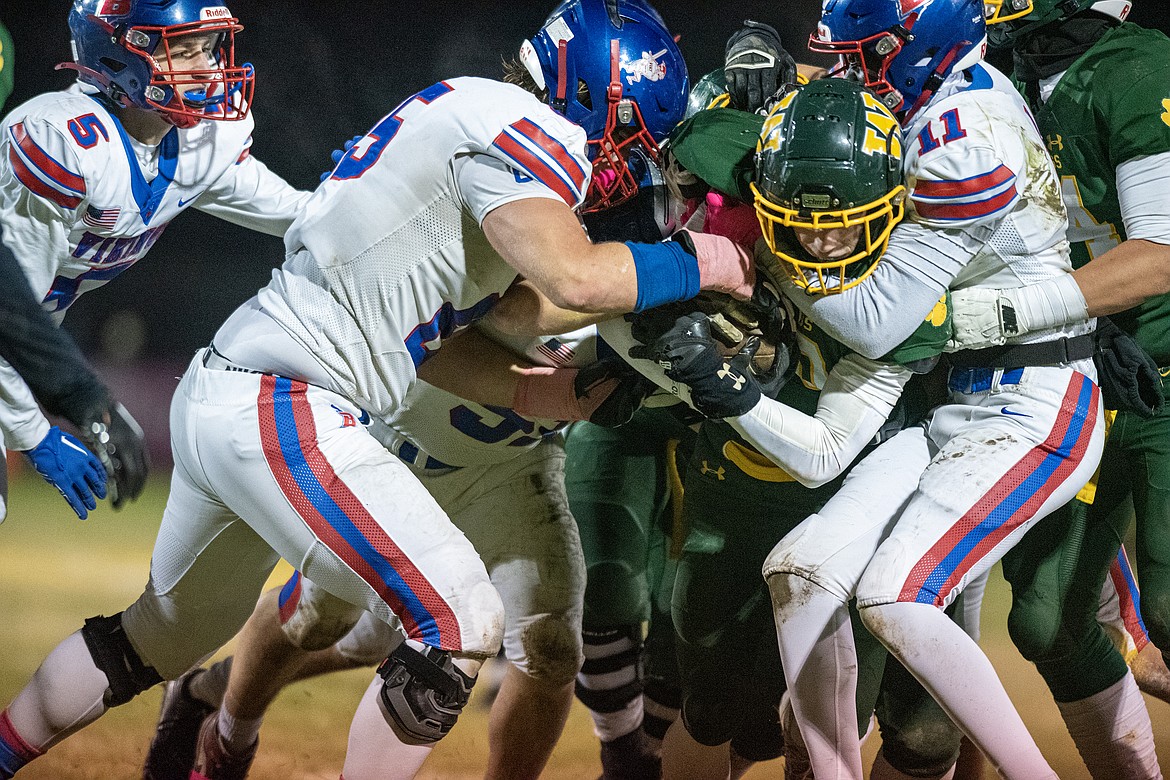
172 751
629 758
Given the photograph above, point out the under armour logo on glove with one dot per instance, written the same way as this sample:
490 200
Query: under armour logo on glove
737 380
690 355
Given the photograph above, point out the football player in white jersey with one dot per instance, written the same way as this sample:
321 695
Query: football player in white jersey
498 476
91 176
420 228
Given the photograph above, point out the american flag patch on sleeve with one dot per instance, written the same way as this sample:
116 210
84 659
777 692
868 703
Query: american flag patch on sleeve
101 218
556 351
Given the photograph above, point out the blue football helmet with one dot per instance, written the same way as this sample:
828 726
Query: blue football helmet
611 67
901 49
123 47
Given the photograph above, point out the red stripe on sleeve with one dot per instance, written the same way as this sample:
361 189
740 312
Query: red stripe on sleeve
45 163
537 167
555 149
38 187
958 211
964 188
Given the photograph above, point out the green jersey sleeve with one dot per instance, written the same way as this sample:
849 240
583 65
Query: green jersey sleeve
1130 88
719 147
919 351
7 61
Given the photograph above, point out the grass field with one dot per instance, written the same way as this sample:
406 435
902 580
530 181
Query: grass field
55 571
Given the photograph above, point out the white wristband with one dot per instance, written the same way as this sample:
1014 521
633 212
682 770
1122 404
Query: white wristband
1052 303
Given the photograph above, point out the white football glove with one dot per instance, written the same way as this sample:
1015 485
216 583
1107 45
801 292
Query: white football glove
986 317
977 319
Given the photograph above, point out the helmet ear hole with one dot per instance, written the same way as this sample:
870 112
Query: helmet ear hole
583 96
112 64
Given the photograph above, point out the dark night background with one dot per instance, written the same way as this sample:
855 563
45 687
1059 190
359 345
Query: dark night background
325 72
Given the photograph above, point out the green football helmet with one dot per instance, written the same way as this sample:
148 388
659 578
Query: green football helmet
708 92
829 159
1045 12
1000 11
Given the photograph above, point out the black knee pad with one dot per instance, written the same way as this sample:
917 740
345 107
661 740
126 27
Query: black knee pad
422 693
112 652
760 739
924 747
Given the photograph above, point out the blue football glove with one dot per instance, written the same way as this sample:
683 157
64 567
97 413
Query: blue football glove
337 154
67 465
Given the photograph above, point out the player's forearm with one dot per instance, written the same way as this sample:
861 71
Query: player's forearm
874 317
543 241
525 311
813 450
1125 276
475 368
858 398
252 196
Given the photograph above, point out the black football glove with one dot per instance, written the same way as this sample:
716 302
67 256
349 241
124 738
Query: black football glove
614 388
117 440
1128 376
756 65
690 355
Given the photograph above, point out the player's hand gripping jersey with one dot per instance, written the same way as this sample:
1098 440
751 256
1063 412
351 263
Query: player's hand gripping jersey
983 210
389 257
81 201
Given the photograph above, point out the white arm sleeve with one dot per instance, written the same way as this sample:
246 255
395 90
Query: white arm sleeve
883 311
21 420
1143 189
858 397
250 195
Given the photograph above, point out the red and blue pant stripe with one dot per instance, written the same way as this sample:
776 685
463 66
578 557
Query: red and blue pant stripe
339 518
1011 502
14 751
1129 599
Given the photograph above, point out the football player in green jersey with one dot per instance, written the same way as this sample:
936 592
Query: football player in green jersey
1100 91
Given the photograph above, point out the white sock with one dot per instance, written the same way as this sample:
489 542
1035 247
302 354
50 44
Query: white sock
820 665
374 751
64 696
950 665
1112 732
238 734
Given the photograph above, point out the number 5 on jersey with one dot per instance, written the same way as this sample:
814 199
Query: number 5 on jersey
363 154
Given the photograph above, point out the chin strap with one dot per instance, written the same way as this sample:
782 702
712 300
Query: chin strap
935 80
560 99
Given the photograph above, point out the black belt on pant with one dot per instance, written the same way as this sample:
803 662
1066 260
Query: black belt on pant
1045 353
213 359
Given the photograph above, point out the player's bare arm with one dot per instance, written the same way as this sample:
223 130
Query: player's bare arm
525 310
542 240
